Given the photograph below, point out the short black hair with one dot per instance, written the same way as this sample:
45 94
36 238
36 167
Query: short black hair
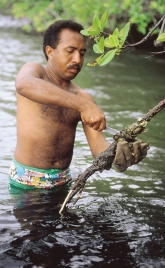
52 34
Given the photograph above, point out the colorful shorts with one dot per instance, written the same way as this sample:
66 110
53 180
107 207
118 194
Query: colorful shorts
28 177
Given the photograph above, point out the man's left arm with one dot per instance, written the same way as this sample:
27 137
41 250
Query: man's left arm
127 154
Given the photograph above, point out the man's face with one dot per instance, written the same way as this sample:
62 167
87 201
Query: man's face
67 58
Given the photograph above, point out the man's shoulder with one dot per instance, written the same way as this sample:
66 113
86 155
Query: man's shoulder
33 67
32 64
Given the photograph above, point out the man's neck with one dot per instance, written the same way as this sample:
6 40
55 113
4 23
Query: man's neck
56 80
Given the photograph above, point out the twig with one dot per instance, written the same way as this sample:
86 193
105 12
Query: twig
147 36
155 53
156 42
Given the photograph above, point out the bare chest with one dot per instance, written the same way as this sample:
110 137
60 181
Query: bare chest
59 114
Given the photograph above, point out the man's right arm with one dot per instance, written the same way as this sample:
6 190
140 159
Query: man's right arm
30 84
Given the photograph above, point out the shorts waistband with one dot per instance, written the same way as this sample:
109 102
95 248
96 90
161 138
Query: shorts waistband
46 171
28 177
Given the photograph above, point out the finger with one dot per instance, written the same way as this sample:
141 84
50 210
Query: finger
139 150
127 153
102 125
136 151
144 148
120 157
89 124
96 126
120 161
120 168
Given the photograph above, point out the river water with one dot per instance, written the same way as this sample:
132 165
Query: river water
119 220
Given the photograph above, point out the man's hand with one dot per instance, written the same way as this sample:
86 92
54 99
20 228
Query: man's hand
128 154
93 117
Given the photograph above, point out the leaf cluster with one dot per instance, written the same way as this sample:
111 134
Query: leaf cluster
114 41
41 13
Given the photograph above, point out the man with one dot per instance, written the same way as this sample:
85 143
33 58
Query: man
49 107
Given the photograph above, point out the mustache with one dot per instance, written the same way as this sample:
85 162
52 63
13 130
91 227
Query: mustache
74 66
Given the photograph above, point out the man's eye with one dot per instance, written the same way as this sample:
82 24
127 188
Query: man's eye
70 51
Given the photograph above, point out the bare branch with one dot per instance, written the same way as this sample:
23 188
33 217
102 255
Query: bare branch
155 53
105 159
156 42
147 36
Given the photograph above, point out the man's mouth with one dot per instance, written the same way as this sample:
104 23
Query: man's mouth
75 68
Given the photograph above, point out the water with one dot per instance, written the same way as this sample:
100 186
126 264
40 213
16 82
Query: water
119 220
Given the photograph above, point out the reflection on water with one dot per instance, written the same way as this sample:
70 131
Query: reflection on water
119 221
118 230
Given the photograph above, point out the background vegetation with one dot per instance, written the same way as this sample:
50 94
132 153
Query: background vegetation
143 14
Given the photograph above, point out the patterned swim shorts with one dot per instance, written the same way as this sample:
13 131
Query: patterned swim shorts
26 177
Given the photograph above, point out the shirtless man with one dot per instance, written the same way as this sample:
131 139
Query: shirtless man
49 107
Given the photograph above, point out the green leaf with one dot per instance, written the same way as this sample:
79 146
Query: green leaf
118 51
107 57
96 22
93 30
107 43
114 40
101 44
99 59
104 19
116 33
161 37
94 63
96 49
121 33
84 32
124 32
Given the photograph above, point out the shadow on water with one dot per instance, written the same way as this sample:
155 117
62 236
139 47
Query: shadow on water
117 231
81 238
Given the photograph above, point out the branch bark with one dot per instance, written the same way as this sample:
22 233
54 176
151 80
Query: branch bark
105 159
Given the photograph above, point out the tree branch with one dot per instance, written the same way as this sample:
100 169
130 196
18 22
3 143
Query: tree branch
147 36
155 53
105 159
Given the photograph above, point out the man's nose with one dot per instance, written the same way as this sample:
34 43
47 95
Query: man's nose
76 57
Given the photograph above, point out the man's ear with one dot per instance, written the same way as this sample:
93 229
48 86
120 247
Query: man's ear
49 51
